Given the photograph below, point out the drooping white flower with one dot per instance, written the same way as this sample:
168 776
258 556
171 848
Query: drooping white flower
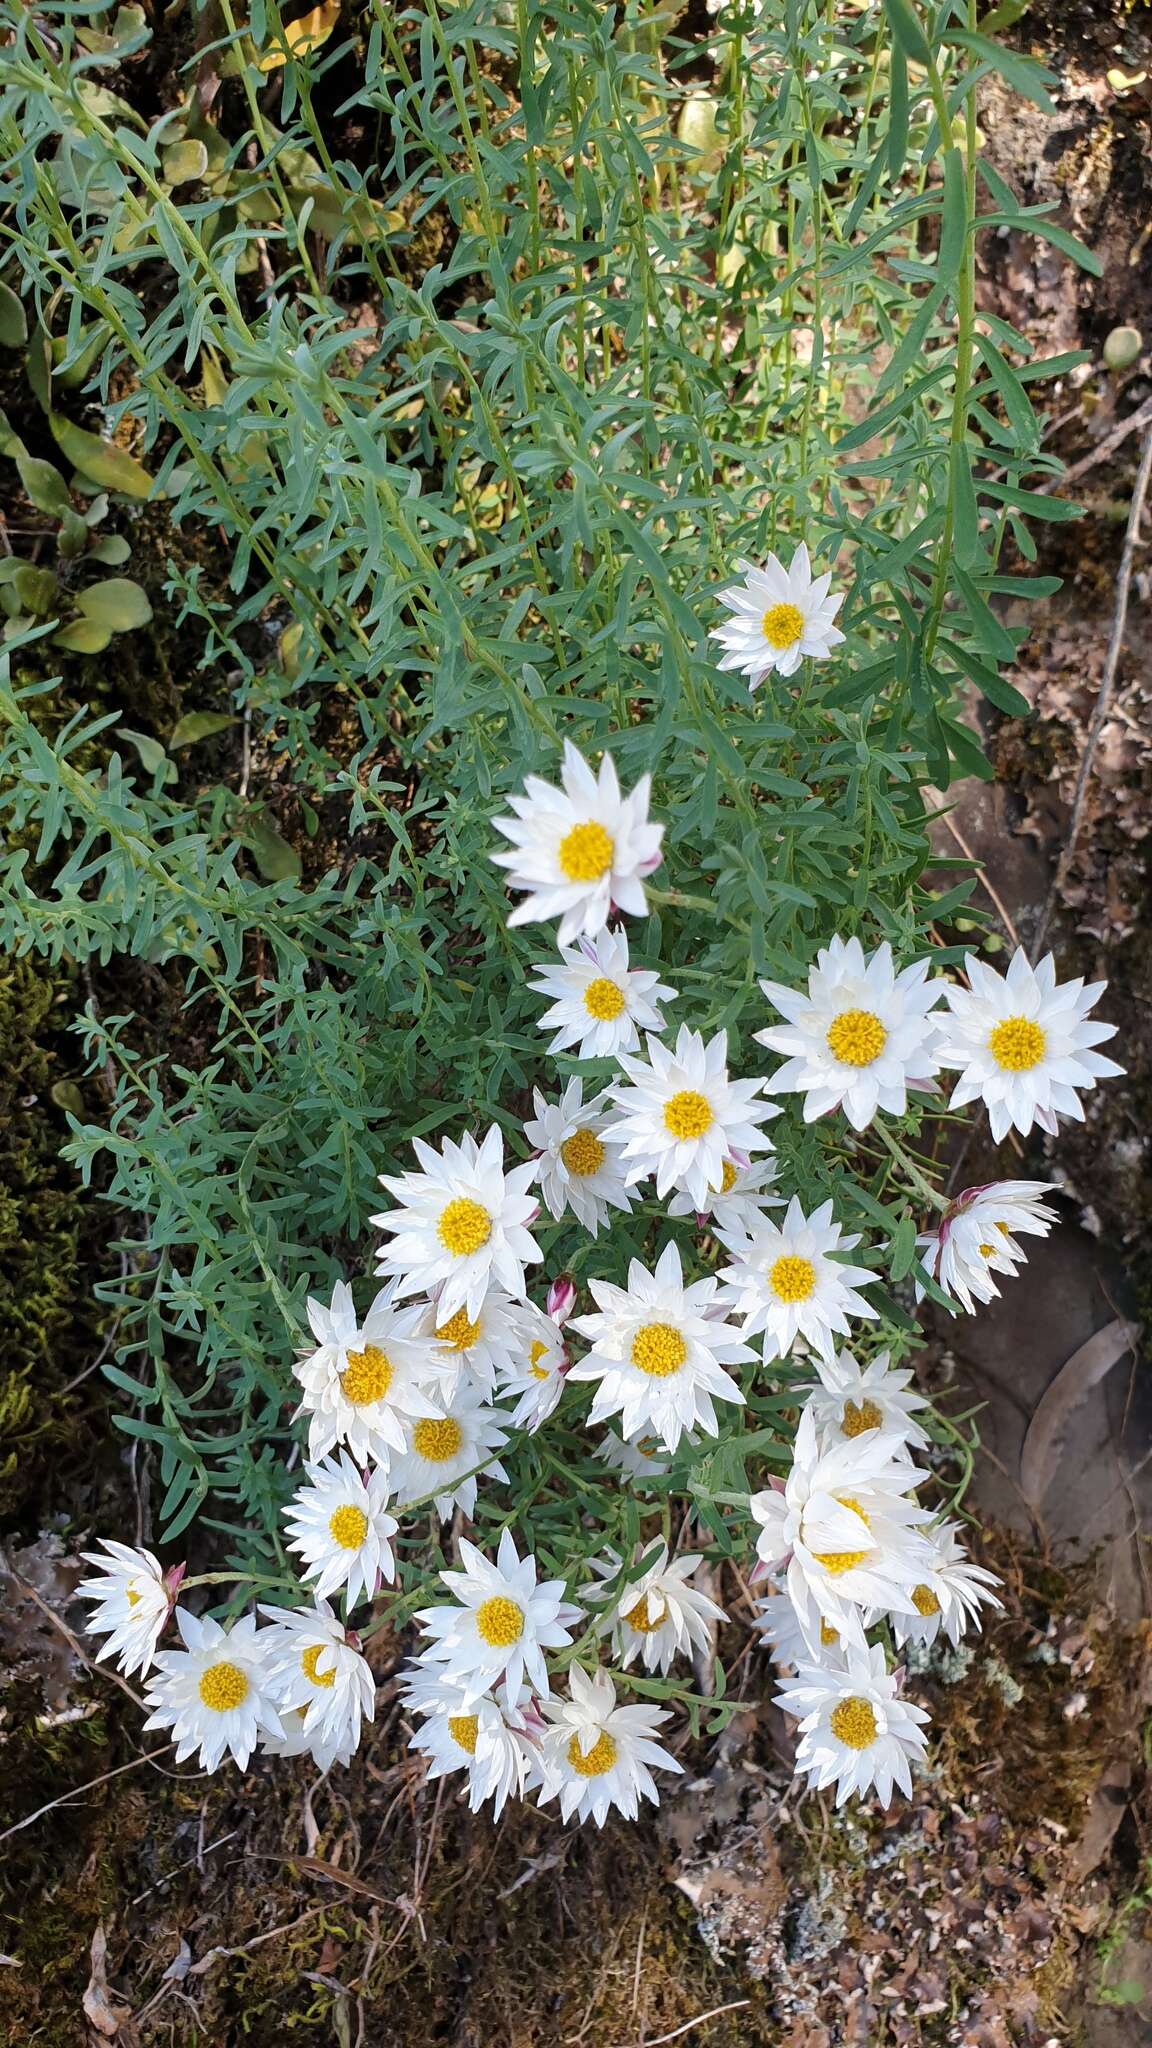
365 1380
579 1165
460 1732
600 1004
596 1755
581 849
462 1223
977 1237
134 1598
341 1530
1024 1043
779 615
845 1529
213 1694
658 1616
294 1739
851 1398
501 1624
479 1348
859 1037
682 1117
950 1595
739 1202
788 1279
640 1460
537 1376
790 1641
312 1663
855 1730
658 1351
443 1451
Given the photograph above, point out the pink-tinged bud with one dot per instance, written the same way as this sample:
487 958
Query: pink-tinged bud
649 866
740 1159
561 1297
898 1677
352 1639
759 1572
172 1581
536 1206
702 1220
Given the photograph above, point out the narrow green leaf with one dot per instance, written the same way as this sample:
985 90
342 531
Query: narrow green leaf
953 217
907 33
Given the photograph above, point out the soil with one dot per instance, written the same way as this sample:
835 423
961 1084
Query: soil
1011 1900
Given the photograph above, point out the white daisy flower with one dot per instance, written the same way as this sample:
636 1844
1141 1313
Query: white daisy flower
659 1349
483 1347
462 1223
313 1663
597 1755
855 1731
852 1398
739 1202
502 1624
779 615
789 1280
600 1004
1024 1043
537 1377
579 1166
845 1528
294 1739
579 850
682 1117
949 1596
793 1641
641 1460
977 1237
341 1530
365 1380
213 1694
461 1732
447 1451
861 1035
134 1597
658 1616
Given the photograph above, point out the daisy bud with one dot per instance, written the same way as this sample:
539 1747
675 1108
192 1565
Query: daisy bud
561 1297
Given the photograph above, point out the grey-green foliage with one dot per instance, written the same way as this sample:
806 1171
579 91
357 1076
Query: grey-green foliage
485 514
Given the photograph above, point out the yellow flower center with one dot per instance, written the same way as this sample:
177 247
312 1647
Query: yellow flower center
727 1178
585 853
348 1527
924 1600
132 1597
783 625
583 1153
837 1561
659 1350
600 1757
499 1623
537 1371
308 1662
986 1250
688 1114
459 1332
792 1278
464 1228
828 1634
603 999
1017 1045
859 1416
367 1376
856 1038
853 1723
437 1438
640 1619
223 1687
462 1728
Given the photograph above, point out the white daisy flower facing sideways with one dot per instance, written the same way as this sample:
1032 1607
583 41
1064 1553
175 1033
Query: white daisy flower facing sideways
579 1165
341 1530
779 616
600 1004
789 1280
789 1639
459 1732
640 1461
949 1596
850 1399
501 1624
658 1351
1024 1043
682 1118
478 1349
581 850
859 1037
313 1664
295 1740
596 1755
133 1597
447 1451
739 1202
537 1377
214 1694
365 1380
462 1223
855 1730
658 1616
977 1236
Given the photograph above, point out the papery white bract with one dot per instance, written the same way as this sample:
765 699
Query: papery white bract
442 1451
949 1596
341 1530
977 1237
778 616
600 1004
501 1624
641 1460
214 1693
133 1599
364 1380
312 1663
537 1377
859 1037
658 1616
579 1165
739 1203
579 850
596 1755
851 1398
1024 1043
787 1279
856 1732
462 1223
482 1347
681 1117
459 1732
294 1739
790 1641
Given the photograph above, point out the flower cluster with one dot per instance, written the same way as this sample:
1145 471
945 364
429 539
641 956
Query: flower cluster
415 1403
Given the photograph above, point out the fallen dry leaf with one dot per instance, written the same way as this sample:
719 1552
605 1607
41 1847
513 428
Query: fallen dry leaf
303 35
1039 1454
107 2015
